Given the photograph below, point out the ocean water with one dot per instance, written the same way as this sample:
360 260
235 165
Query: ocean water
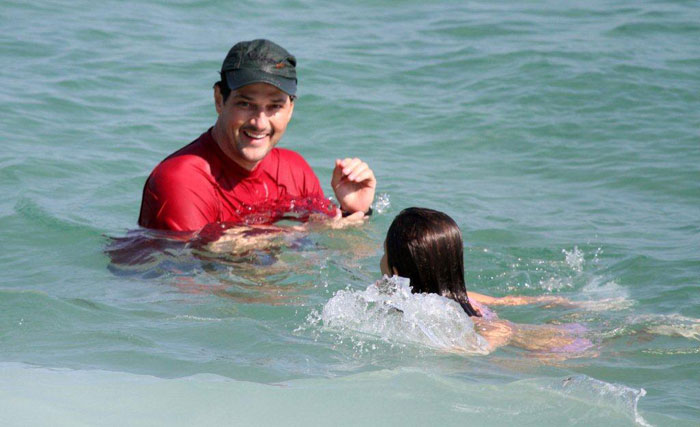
563 137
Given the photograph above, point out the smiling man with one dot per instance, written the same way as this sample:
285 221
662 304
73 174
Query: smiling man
234 173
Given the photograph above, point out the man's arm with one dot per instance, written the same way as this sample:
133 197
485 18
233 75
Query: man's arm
178 197
348 189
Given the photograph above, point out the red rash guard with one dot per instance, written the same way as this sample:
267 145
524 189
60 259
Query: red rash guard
198 185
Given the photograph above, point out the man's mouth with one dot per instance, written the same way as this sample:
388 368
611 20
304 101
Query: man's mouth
255 135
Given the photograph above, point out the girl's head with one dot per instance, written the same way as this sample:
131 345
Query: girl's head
425 246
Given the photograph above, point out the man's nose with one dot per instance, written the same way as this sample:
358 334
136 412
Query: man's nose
260 119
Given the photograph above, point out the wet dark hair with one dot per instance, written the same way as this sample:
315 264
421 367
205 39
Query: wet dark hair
223 87
425 246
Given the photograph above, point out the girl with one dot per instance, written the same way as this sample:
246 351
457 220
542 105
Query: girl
426 247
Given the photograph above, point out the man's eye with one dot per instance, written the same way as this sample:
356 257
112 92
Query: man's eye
242 104
276 106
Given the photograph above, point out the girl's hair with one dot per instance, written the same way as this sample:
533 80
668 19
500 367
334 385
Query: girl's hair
425 246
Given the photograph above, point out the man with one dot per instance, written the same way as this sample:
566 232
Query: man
234 173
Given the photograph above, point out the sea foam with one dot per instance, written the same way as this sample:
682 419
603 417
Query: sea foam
672 325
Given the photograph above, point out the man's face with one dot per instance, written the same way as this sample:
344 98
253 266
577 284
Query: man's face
251 122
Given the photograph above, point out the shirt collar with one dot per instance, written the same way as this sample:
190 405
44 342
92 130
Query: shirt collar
228 165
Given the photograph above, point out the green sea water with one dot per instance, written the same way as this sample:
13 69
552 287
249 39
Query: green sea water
563 137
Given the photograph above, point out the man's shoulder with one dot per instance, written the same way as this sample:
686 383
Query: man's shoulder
188 162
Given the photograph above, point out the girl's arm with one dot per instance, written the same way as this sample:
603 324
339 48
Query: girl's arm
496 332
543 341
519 300
547 341
481 298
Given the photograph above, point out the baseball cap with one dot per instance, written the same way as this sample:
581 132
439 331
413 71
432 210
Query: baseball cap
260 61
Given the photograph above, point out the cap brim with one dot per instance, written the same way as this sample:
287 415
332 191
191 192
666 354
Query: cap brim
242 77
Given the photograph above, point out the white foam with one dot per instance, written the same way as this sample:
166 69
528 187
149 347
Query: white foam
196 318
604 296
670 325
389 311
606 304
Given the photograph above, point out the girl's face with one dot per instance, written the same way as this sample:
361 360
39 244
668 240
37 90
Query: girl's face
384 263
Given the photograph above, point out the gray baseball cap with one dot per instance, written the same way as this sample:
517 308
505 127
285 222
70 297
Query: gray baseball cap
260 61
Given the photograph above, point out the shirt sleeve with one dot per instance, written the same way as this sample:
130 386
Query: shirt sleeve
178 197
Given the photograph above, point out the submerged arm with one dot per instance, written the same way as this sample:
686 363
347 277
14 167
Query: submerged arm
496 332
543 340
519 300
241 239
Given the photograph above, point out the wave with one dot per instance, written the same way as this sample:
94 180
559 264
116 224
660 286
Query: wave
600 393
137 399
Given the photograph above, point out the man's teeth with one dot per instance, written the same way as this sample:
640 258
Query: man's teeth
256 135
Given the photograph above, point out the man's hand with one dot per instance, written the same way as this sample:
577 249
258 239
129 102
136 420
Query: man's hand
354 184
337 222
241 239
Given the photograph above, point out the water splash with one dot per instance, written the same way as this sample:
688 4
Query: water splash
555 284
382 203
574 259
550 275
389 311
602 296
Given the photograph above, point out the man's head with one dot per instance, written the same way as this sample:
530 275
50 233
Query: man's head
254 100
259 61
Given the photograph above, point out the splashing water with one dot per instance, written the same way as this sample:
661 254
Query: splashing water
605 296
562 275
574 259
382 203
555 284
389 311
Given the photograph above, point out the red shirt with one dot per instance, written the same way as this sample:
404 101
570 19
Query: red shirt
198 185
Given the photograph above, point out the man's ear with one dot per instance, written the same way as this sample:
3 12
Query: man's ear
218 99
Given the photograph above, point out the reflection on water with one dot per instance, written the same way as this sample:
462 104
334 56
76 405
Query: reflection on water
262 264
